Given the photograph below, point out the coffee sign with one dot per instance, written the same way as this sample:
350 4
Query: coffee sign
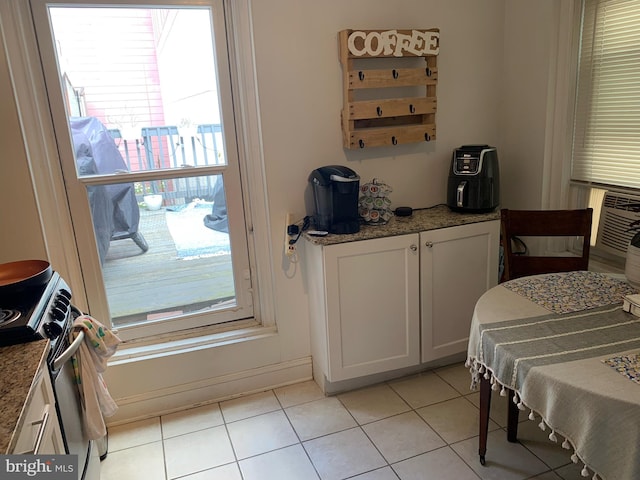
396 43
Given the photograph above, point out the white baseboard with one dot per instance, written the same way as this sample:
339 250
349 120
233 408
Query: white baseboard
211 390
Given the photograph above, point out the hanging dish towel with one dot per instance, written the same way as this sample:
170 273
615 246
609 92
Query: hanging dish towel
89 364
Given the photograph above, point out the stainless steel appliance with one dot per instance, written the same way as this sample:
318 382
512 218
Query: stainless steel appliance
335 195
474 179
45 311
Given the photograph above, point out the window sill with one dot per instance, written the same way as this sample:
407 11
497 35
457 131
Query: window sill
603 264
189 341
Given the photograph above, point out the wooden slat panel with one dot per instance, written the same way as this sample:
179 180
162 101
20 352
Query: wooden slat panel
384 122
378 137
392 107
347 92
393 77
388 121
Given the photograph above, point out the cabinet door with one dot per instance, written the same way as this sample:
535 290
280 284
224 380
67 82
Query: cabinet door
40 433
458 265
372 306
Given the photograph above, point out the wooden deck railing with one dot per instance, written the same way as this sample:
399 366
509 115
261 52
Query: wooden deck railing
164 147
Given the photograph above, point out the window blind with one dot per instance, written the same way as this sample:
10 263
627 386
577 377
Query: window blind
606 142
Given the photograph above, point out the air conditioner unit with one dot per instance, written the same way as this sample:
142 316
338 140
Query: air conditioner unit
615 217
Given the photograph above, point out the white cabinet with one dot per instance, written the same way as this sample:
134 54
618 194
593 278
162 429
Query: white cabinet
40 429
457 265
365 306
389 303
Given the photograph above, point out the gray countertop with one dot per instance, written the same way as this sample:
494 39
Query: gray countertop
421 220
19 365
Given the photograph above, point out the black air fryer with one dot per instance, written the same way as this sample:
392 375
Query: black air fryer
474 179
335 194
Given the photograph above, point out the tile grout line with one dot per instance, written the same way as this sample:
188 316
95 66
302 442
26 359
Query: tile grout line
284 411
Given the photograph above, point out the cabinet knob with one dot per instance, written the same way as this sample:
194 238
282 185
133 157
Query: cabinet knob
428 244
413 248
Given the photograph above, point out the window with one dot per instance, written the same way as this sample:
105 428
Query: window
142 107
606 143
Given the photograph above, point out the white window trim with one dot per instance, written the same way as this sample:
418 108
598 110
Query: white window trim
16 28
562 85
250 151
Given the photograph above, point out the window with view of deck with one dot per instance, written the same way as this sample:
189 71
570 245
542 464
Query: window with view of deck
142 106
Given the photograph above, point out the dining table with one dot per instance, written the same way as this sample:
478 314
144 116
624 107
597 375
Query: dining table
564 349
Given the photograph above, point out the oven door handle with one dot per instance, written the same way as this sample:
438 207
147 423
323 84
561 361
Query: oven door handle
69 352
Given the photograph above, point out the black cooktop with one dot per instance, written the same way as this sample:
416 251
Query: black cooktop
35 312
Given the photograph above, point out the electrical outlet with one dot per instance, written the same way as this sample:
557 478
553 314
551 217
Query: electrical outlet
289 249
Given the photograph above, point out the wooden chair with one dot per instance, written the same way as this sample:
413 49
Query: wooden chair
533 223
544 223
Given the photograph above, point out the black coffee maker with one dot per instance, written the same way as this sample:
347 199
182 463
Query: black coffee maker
335 195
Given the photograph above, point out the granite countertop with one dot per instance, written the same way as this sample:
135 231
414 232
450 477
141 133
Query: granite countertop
19 365
421 220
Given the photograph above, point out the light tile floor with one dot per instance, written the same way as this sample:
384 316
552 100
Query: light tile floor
415 428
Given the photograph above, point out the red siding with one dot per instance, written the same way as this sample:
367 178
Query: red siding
111 55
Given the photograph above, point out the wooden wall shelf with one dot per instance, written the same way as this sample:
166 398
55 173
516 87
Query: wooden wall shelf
388 121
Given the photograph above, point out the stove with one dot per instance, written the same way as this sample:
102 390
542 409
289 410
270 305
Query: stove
7 316
36 313
46 312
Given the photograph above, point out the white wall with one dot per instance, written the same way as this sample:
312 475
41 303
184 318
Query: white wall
21 236
492 87
300 82
529 33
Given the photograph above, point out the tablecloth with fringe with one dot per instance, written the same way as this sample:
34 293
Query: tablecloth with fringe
566 365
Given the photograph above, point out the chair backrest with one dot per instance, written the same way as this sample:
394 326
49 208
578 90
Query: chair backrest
544 223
